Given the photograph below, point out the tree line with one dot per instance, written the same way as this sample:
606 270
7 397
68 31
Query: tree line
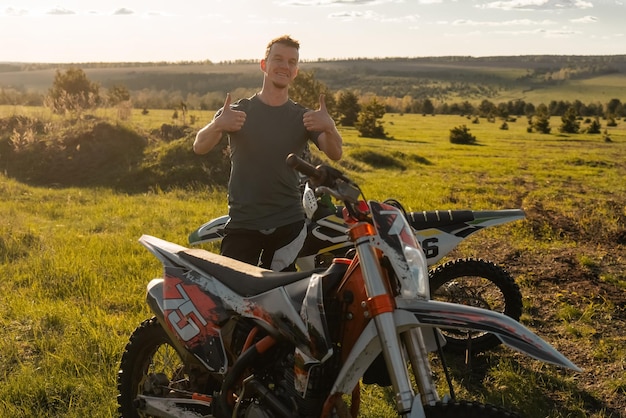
73 92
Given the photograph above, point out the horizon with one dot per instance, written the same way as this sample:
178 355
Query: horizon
226 30
244 61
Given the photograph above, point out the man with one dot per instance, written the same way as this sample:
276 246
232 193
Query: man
266 224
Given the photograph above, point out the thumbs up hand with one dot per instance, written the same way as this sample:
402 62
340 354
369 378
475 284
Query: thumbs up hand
319 120
230 120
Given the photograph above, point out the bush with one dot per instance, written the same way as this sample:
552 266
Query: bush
461 135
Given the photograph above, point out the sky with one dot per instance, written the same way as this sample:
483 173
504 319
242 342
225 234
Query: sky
75 31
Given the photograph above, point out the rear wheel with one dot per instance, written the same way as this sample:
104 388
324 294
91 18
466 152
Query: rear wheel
478 283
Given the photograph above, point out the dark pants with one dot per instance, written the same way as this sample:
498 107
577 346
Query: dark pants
276 249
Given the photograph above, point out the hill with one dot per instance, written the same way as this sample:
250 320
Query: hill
539 78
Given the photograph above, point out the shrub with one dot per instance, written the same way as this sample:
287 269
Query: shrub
461 135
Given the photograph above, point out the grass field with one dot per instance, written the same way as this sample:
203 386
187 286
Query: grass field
74 275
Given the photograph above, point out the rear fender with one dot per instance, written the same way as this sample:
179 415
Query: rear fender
441 234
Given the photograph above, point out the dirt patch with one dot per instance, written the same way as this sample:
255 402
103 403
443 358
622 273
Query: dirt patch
575 298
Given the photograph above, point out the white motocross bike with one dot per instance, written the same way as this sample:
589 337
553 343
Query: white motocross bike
233 340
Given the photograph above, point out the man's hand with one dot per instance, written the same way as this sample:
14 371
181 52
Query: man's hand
329 140
319 120
230 120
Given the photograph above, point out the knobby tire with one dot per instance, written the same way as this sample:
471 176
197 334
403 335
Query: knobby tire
479 283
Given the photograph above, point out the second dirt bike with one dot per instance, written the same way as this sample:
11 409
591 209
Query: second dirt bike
473 282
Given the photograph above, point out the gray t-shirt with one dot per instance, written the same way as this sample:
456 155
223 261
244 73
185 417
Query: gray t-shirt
263 191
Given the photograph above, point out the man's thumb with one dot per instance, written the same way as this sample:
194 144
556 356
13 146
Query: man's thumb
227 102
322 102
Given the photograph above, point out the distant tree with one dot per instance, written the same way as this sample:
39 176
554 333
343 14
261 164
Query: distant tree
529 109
614 108
580 108
541 121
502 110
595 109
348 108
487 109
558 108
427 107
467 108
369 123
71 91
306 90
610 121
516 107
461 135
569 124
118 94
594 127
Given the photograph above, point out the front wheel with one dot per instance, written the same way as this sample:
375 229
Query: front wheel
467 410
148 365
479 283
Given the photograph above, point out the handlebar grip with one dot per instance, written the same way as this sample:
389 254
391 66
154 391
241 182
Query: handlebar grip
304 167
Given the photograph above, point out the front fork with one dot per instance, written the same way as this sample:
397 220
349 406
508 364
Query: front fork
380 306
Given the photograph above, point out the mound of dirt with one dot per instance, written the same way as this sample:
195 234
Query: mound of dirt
92 152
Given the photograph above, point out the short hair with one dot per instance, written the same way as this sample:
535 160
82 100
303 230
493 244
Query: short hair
283 40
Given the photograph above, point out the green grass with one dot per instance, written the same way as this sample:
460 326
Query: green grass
74 275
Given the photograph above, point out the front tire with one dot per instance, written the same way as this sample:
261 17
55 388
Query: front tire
148 355
479 283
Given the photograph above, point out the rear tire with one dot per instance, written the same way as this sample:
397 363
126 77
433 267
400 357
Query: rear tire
478 283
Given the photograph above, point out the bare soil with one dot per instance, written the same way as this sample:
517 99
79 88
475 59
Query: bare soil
587 277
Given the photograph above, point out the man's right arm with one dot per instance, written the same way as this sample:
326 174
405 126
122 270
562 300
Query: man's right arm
207 138
227 120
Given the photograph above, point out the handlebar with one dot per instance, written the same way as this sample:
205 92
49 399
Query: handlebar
306 168
326 177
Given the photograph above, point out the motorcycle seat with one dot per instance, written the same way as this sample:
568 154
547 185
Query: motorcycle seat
439 218
242 278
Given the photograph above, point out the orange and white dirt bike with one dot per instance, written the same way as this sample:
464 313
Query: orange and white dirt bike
233 340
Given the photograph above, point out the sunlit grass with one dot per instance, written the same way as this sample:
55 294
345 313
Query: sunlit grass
74 275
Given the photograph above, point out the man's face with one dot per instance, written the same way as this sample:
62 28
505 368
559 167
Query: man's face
281 65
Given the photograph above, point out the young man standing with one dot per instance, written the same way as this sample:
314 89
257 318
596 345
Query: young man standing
266 224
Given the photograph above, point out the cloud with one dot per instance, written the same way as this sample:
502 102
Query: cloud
351 15
586 19
123 11
60 11
10 11
336 2
554 33
515 22
536 4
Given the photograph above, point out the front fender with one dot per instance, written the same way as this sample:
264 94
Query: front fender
429 313
510 332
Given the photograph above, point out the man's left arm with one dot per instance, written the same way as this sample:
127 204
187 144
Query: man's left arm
331 143
329 140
